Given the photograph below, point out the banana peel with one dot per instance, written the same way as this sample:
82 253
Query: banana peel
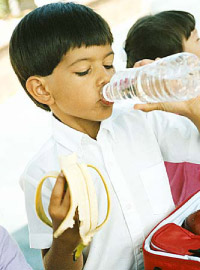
82 197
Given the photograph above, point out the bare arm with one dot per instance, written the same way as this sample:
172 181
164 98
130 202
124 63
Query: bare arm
55 258
60 255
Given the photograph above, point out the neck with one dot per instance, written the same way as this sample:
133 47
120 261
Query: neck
91 128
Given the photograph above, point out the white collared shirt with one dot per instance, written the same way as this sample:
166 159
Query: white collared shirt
129 152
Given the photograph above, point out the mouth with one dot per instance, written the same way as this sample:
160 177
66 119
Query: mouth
105 102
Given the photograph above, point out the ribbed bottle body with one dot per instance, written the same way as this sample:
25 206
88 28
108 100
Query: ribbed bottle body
173 78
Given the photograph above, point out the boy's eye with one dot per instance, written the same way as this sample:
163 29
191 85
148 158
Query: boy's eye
82 73
108 66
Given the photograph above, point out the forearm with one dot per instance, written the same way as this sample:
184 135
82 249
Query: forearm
196 121
59 257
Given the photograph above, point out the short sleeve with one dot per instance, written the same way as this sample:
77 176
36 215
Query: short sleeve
178 137
40 234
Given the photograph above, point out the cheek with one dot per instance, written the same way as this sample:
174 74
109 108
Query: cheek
196 50
85 100
62 89
74 93
76 100
193 48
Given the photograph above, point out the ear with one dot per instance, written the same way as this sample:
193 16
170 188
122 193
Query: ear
37 88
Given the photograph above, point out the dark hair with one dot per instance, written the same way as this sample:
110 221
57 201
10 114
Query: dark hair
158 35
44 36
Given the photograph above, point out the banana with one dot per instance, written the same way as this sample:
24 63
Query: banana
82 197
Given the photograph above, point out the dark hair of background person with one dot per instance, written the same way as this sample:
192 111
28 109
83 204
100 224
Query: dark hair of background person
46 34
158 35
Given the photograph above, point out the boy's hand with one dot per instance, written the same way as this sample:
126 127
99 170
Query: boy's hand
58 209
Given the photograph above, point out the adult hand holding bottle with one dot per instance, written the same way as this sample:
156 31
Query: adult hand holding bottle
188 108
170 79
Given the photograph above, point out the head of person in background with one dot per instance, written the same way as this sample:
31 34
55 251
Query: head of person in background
160 35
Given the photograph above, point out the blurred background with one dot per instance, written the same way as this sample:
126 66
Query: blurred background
23 127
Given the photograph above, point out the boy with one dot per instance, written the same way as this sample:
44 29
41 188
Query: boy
62 55
160 35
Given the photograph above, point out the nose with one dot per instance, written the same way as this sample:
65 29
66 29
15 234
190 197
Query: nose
104 75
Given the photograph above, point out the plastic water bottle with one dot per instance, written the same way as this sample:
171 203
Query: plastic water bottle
172 78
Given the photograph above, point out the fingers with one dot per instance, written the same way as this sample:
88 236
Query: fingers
162 106
58 190
173 107
76 216
66 200
149 107
143 62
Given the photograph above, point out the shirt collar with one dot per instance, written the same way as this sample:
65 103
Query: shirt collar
71 138
108 125
67 136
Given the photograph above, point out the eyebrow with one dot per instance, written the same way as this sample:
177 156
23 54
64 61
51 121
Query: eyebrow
86 59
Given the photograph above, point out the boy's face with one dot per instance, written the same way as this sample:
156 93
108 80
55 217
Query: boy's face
76 85
192 44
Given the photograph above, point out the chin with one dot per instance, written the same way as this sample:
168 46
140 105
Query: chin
107 113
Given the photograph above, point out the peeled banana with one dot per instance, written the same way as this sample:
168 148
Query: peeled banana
82 197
